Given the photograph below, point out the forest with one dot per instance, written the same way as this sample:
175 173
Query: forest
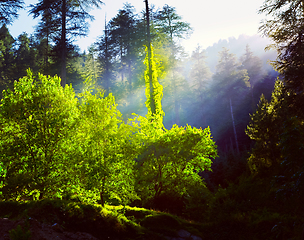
137 139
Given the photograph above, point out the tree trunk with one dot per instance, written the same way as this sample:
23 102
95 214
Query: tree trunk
176 103
63 44
152 102
234 130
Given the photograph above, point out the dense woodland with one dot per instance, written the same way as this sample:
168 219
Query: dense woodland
214 137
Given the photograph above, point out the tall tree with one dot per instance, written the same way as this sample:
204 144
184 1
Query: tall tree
6 57
149 80
286 29
69 17
8 10
168 22
23 58
253 65
105 59
230 83
198 77
200 73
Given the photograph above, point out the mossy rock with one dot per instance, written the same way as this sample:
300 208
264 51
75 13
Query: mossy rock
162 223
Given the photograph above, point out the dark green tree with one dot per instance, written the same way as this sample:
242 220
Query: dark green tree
277 154
24 59
6 58
285 28
69 17
106 56
8 10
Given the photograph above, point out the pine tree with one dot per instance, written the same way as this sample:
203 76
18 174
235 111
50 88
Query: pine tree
69 18
8 10
6 58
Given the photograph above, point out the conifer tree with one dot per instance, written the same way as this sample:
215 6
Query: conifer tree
69 18
285 28
8 10
6 57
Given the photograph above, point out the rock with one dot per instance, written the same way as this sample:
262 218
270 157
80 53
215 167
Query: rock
183 233
196 238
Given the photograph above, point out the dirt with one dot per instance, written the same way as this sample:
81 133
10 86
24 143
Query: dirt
41 231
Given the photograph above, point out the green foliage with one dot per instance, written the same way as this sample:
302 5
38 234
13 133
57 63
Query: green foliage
37 120
172 159
266 129
105 148
277 154
285 27
19 233
169 22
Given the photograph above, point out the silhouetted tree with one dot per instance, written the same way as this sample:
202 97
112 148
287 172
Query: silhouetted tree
229 83
69 18
286 29
8 10
168 22
253 65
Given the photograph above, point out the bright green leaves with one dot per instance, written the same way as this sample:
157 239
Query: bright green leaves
37 118
171 160
53 144
106 158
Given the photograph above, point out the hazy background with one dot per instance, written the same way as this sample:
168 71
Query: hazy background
210 20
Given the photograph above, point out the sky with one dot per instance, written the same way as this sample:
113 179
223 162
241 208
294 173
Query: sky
210 20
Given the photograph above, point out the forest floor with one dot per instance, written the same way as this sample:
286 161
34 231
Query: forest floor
66 220
39 231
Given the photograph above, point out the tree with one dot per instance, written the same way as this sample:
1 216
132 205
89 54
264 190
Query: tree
199 76
6 57
106 150
253 65
230 83
172 159
8 10
277 154
69 18
37 120
169 23
23 58
169 160
106 54
46 29
286 30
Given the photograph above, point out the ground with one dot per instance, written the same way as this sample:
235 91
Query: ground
41 231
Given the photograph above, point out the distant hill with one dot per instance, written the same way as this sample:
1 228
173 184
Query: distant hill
237 46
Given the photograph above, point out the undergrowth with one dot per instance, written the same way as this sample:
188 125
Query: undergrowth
230 216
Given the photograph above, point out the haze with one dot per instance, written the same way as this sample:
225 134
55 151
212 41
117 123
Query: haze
210 20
